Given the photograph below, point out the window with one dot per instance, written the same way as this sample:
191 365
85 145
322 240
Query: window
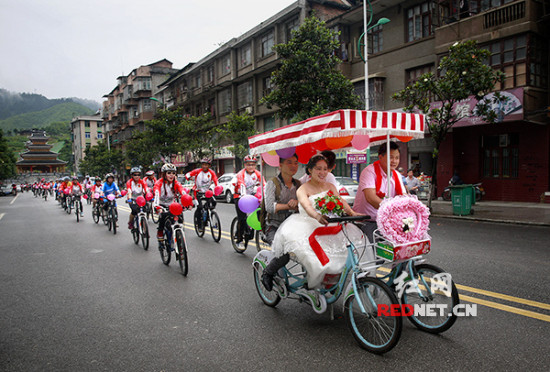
510 56
225 101
412 74
269 123
244 94
226 64
87 135
99 124
290 26
99 135
375 40
538 59
245 55
86 124
144 84
419 21
210 74
267 43
147 105
198 82
267 86
376 93
500 156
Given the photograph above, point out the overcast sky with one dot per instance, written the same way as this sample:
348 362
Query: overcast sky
77 48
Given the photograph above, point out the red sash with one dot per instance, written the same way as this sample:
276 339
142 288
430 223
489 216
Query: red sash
317 249
399 190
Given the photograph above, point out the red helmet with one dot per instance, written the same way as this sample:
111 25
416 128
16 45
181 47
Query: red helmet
206 160
250 159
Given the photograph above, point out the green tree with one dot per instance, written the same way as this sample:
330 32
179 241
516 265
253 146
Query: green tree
7 160
462 74
307 83
238 129
99 160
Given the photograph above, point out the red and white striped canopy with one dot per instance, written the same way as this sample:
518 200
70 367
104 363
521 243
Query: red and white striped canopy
341 123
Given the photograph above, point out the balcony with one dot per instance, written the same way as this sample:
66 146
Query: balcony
504 21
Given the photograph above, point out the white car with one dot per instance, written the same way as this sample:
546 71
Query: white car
228 182
347 187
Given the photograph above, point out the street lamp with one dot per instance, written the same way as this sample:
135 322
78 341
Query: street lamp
381 21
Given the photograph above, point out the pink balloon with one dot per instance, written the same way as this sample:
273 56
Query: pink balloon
88 186
272 160
96 195
123 192
360 141
218 190
149 196
111 197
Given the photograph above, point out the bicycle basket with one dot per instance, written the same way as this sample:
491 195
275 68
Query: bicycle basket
392 251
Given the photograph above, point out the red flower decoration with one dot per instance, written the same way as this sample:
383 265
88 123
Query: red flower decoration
330 193
321 202
331 205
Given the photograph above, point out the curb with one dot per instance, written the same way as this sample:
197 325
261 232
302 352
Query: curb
490 220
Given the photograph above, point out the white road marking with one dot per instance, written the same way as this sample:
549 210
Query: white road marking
14 199
1 215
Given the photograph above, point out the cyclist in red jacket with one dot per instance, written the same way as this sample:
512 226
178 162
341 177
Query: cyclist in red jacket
167 190
248 180
204 176
135 187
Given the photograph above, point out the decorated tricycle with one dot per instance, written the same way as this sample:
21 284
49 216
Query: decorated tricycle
388 278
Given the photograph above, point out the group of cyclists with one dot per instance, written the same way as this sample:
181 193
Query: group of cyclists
160 193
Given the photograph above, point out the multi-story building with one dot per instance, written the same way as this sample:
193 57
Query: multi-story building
511 158
86 131
129 104
237 75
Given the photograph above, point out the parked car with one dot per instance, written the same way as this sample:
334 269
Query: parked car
228 182
5 190
347 187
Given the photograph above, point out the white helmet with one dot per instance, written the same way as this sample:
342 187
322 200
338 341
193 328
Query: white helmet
168 167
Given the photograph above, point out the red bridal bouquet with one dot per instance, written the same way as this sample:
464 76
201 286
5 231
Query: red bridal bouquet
329 205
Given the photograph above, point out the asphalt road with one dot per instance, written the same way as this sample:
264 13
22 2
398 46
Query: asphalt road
75 297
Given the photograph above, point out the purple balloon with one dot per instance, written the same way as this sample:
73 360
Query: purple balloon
286 153
248 204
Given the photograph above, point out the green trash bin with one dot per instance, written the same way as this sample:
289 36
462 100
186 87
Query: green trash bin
461 196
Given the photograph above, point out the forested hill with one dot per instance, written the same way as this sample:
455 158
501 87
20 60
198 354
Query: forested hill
63 112
12 103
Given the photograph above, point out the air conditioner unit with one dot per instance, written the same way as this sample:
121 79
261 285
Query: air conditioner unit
248 110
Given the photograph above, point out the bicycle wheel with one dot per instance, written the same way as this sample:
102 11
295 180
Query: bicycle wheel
135 231
260 243
77 211
270 298
114 218
69 207
109 221
144 233
215 226
104 216
241 247
199 224
155 217
377 333
181 252
95 215
444 317
164 248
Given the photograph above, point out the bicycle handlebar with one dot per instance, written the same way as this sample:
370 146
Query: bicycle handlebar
347 219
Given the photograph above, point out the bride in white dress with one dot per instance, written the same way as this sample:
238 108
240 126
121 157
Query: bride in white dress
293 234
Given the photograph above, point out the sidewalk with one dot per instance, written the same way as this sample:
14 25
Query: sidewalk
497 211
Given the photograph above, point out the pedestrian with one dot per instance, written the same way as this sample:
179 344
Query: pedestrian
413 184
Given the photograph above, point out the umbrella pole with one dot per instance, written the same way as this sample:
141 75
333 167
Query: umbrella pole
389 173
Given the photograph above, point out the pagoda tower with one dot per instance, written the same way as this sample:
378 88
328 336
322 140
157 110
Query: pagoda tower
38 157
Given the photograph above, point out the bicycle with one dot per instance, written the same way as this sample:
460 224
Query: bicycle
174 237
140 229
374 331
111 215
206 215
45 195
419 279
97 211
75 202
68 204
249 234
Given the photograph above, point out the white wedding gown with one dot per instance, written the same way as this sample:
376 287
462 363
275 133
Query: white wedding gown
293 237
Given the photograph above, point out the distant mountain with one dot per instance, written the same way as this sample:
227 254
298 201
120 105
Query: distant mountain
61 112
12 103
